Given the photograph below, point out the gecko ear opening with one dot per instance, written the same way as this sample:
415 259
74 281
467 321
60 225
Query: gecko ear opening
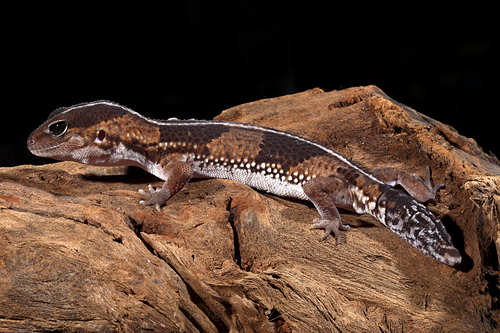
58 128
101 135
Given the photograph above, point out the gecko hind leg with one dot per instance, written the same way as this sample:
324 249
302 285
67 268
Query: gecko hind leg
321 192
177 175
420 189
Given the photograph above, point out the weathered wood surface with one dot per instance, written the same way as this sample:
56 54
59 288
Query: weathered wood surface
78 253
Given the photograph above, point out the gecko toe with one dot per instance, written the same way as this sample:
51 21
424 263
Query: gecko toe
331 227
154 197
436 188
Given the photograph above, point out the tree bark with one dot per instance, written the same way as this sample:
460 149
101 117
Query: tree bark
78 253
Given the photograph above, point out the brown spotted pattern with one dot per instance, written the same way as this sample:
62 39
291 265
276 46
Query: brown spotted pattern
235 146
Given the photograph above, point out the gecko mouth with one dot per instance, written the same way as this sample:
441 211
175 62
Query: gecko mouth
41 150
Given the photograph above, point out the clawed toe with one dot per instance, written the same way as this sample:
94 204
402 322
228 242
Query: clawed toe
153 196
436 188
331 227
428 183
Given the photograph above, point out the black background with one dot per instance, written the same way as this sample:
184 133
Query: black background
193 59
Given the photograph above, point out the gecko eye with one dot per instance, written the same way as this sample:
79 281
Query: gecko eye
58 128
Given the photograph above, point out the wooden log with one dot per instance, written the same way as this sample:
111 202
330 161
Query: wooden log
79 253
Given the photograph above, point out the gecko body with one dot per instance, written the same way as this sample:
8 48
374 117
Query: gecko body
106 133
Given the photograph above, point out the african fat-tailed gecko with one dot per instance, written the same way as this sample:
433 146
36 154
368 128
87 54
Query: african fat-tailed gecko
105 133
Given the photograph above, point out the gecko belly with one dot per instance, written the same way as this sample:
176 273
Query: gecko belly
263 181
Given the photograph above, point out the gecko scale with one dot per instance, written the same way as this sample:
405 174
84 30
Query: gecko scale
105 133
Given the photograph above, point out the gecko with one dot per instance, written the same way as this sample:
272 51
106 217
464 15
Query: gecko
105 133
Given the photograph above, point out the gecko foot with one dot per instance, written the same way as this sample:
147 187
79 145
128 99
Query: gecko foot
155 196
428 183
330 226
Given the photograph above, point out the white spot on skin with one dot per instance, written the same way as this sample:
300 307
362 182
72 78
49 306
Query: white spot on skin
261 180
381 215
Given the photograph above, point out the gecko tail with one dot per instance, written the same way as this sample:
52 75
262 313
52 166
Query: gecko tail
414 223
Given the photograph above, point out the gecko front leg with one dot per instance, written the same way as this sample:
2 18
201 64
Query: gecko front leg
324 193
176 175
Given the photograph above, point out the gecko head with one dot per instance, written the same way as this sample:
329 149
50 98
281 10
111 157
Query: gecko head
77 133
413 222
